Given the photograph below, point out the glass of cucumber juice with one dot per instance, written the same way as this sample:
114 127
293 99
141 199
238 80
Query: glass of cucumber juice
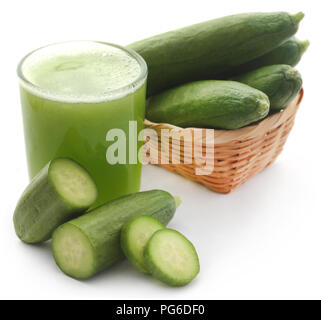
72 95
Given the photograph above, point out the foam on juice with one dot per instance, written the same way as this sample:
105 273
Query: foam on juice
81 71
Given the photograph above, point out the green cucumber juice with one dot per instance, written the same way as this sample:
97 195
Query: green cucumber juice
72 94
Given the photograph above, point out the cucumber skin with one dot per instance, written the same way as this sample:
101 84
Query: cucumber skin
157 273
124 241
290 53
209 104
281 83
102 226
208 49
33 227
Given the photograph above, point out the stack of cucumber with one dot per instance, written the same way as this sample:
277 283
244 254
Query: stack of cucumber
85 243
225 73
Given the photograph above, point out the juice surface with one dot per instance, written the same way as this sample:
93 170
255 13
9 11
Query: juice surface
82 75
73 112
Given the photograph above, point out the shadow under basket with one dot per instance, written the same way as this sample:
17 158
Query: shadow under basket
238 154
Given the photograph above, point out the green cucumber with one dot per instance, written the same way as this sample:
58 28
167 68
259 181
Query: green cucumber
59 192
193 52
290 53
281 83
171 258
91 243
209 104
134 237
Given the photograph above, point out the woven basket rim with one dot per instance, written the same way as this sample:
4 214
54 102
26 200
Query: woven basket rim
255 130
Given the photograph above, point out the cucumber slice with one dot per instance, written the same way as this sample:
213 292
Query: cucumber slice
61 191
134 237
171 258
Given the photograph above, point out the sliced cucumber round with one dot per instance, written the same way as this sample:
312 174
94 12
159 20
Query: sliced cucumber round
61 191
134 237
171 258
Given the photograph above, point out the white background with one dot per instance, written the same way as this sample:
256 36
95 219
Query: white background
261 241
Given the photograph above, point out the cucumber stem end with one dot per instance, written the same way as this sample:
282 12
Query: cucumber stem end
178 201
304 45
298 17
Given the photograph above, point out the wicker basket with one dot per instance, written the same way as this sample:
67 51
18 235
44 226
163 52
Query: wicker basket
238 154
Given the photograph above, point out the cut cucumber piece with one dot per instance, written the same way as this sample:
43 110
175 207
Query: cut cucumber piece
91 243
171 258
134 237
61 191
76 254
73 183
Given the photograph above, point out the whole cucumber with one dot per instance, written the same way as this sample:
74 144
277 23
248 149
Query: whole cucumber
91 243
290 53
61 191
281 83
207 49
209 104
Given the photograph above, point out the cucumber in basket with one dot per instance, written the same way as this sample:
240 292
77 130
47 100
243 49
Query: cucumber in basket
209 104
59 192
290 53
281 83
91 243
171 258
134 237
192 53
